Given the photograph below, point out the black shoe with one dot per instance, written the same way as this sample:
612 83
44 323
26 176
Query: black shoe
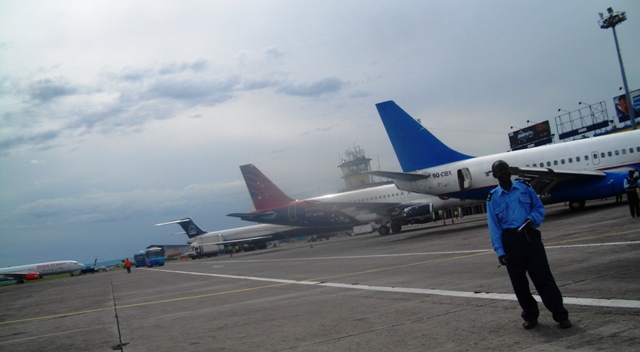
564 324
531 324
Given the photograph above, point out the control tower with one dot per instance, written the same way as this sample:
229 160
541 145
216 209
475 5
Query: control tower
353 166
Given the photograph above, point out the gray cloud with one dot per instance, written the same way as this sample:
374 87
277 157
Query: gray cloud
47 89
139 95
40 139
180 67
323 86
195 91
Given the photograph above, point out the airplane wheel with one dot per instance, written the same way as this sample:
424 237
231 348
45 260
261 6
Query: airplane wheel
396 227
576 205
383 230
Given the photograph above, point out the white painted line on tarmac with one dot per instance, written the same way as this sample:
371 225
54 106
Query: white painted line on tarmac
471 251
592 245
594 302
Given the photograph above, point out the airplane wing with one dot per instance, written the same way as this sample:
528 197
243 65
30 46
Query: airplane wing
405 176
254 216
14 276
20 276
544 179
236 241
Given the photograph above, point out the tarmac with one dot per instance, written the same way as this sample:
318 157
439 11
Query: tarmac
434 288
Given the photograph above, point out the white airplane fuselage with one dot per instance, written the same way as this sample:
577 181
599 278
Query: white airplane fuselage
39 270
376 199
612 155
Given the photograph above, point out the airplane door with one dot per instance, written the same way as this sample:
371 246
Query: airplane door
595 158
464 179
292 212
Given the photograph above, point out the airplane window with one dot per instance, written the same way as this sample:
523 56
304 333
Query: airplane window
577 159
548 163
586 157
602 155
637 149
562 161
609 153
630 150
570 160
555 162
617 152
624 151
534 165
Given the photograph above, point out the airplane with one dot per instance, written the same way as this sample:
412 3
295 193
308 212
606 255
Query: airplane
340 211
572 172
204 243
22 273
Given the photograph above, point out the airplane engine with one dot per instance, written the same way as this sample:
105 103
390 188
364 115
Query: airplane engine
418 212
32 276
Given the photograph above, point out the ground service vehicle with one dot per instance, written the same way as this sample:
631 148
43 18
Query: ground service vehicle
88 270
366 228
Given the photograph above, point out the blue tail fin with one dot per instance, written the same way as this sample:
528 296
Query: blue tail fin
415 147
190 228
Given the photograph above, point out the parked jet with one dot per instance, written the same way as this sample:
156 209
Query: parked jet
384 204
571 172
207 243
39 270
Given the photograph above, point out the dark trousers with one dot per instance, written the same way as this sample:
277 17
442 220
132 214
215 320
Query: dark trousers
634 206
527 256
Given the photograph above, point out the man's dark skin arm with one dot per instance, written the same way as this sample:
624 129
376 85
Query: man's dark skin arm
504 260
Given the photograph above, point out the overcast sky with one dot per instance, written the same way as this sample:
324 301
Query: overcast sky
117 115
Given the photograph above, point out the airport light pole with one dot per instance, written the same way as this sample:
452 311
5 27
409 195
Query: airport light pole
612 19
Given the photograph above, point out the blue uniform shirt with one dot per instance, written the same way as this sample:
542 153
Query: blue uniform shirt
629 184
510 209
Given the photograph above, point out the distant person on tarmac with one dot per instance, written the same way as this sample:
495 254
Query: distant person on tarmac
631 189
127 264
513 212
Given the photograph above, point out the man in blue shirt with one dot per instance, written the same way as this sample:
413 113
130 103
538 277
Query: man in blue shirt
513 213
630 185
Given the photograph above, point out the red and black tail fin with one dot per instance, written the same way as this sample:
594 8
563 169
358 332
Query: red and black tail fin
264 193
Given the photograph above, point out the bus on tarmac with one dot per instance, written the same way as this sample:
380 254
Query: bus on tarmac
154 256
140 259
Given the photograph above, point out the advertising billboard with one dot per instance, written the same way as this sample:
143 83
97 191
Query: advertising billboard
622 105
529 135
